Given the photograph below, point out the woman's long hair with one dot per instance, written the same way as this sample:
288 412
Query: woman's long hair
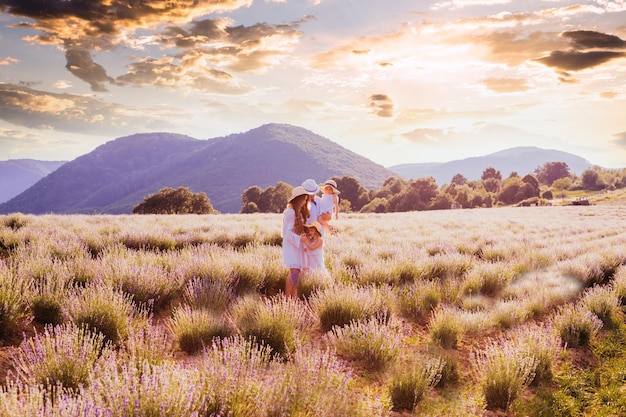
301 215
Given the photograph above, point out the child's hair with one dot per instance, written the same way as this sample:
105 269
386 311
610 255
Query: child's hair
315 226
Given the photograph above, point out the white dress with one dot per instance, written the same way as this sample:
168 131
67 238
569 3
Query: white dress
328 205
315 259
293 249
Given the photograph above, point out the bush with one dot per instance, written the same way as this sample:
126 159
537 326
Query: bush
13 290
603 303
502 371
339 306
273 322
408 387
371 344
445 328
576 326
195 328
103 310
64 355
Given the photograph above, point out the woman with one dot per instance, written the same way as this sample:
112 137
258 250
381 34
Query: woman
294 219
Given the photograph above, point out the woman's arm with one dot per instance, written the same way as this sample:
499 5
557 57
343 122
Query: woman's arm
312 246
289 237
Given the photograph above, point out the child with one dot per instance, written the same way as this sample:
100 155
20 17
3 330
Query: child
313 246
330 197
330 202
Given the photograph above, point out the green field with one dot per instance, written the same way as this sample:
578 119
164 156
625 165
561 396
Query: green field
515 311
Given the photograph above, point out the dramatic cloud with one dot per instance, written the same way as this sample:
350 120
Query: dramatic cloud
382 105
80 64
576 61
23 106
588 39
505 85
81 28
578 58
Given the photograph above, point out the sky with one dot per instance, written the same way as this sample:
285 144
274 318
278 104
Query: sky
396 81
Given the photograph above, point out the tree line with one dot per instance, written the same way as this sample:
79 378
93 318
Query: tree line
548 181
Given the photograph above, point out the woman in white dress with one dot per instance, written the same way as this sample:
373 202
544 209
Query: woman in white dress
294 218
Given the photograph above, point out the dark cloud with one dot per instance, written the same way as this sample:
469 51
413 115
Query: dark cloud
80 64
579 57
382 105
576 60
588 39
238 48
81 27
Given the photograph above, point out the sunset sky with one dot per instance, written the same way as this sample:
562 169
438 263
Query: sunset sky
396 81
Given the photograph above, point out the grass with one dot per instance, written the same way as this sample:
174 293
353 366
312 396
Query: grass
427 313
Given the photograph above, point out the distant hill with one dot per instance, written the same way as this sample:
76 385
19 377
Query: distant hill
119 174
17 175
523 160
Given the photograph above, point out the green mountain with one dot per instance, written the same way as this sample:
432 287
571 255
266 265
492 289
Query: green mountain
17 175
119 174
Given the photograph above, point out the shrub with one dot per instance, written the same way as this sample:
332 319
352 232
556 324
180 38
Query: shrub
409 386
195 328
602 302
48 299
420 299
576 326
542 344
15 221
371 344
64 355
339 306
445 328
152 345
102 309
13 290
273 322
502 371
213 295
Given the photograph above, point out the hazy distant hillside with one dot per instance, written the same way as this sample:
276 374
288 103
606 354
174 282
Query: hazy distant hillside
17 175
523 160
120 173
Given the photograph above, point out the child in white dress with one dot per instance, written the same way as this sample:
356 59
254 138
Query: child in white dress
330 201
313 247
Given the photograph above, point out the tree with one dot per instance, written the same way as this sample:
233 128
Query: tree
251 195
552 171
491 179
352 190
491 172
273 199
459 179
590 179
391 186
562 184
417 196
175 201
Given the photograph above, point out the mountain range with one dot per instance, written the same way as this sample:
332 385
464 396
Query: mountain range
119 174
523 160
17 175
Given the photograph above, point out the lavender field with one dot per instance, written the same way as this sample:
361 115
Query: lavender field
440 313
